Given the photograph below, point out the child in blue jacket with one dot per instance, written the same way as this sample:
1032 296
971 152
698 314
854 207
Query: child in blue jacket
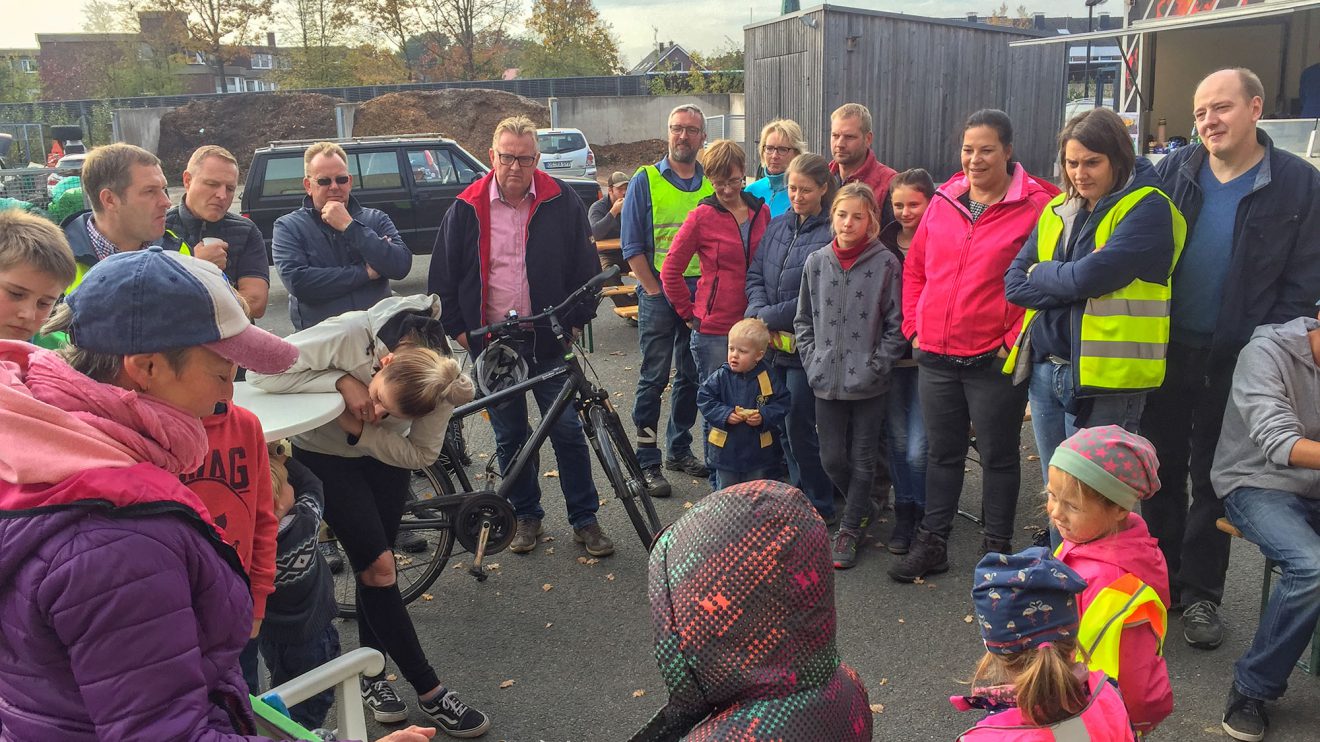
745 403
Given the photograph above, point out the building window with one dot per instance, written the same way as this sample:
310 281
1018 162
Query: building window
196 57
261 62
27 65
253 85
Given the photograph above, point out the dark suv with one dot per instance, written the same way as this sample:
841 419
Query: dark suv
413 178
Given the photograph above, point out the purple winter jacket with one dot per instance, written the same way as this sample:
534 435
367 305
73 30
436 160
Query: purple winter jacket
122 613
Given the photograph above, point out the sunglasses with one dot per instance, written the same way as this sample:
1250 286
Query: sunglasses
337 180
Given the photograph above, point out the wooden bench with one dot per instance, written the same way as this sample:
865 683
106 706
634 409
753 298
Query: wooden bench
1310 665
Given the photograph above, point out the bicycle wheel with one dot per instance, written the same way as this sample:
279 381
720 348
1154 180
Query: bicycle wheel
625 474
415 572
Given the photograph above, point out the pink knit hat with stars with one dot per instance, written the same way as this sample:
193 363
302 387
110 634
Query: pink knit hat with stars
1119 465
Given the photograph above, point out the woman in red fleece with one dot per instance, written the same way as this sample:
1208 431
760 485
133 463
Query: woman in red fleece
961 325
722 234
1096 478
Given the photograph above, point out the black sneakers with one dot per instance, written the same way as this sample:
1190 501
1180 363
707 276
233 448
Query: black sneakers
1245 718
844 552
656 484
1202 626
929 555
456 718
382 700
689 465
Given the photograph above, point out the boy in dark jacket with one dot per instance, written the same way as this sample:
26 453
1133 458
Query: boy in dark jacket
745 404
298 633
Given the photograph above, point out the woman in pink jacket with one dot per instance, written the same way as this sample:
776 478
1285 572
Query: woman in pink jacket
961 326
722 233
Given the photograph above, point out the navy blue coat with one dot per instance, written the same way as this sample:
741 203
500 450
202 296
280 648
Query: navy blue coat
326 270
742 447
775 275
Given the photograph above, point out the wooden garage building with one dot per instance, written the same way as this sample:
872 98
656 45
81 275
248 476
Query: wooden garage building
920 77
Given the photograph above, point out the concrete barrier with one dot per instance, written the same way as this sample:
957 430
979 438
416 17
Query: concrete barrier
140 126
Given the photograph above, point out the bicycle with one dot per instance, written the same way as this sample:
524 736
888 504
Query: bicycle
444 507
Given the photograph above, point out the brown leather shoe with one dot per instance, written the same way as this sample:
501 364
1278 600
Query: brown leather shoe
524 539
594 539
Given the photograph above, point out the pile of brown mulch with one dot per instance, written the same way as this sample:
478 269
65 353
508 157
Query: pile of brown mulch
241 124
468 116
628 156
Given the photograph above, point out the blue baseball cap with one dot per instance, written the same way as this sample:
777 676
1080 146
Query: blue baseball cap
153 300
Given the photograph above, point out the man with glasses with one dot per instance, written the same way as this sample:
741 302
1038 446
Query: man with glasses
517 240
659 199
334 255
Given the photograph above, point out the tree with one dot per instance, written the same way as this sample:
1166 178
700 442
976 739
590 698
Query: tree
476 29
1000 17
219 27
16 86
726 57
319 59
110 16
394 19
569 40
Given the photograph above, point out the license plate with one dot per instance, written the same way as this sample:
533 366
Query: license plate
558 165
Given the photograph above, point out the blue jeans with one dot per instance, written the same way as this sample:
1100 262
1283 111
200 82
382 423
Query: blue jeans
727 478
663 337
288 661
906 429
512 429
710 352
803 447
1052 391
1286 527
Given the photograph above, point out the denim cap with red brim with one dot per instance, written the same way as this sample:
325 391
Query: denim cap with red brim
154 300
1024 600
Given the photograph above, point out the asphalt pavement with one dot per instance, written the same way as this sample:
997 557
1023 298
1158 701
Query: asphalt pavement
560 651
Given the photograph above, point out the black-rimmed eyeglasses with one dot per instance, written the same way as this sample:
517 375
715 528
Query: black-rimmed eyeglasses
523 161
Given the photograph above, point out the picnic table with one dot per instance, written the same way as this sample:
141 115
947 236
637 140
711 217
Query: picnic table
284 415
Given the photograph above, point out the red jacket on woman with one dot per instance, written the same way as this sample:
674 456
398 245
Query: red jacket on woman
953 278
712 234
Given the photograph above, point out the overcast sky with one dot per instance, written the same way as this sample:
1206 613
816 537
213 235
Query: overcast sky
702 26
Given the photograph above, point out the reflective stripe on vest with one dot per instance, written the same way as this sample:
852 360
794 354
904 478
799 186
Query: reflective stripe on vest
1124 602
83 268
669 207
1125 334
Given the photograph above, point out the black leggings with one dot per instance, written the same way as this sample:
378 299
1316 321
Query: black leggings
364 502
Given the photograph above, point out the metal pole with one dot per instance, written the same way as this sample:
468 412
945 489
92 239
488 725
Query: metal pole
1086 69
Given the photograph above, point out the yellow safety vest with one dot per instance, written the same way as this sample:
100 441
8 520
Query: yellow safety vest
1125 334
1124 602
669 207
82 268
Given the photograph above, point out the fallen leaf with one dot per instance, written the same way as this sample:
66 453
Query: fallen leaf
508 683
549 625
547 539
901 621
616 352
966 470
687 505
918 581
460 565
588 560
547 587
552 474
639 693
603 503
391 677
483 455
930 584
1033 457
493 566
884 681
610 577
968 618
618 394
550 550
877 708
427 596
627 368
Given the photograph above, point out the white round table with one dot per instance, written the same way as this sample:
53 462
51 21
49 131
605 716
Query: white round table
284 415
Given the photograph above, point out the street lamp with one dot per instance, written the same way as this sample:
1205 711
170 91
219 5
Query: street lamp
1090 26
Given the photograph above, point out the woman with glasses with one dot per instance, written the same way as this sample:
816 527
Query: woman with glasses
722 234
781 141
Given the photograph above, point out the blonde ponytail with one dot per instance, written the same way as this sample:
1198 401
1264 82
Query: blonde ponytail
1045 682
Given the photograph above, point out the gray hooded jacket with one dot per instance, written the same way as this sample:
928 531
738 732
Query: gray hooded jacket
1272 406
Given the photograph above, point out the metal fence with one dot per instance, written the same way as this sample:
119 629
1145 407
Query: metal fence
26 184
29 143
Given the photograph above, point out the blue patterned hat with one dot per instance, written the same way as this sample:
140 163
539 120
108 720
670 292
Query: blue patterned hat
1024 600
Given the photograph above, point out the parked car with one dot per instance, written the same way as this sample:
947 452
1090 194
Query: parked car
414 179
564 153
67 167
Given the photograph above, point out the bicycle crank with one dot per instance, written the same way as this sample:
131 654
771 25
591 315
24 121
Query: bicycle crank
475 570
479 510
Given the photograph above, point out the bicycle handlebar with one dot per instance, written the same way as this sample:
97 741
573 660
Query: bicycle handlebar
592 286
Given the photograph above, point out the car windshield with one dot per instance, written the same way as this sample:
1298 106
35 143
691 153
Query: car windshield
559 142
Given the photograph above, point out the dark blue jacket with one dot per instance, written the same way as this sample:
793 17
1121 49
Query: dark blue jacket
775 275
741 447
1141 247
325 270
75 231
560 259
1275 272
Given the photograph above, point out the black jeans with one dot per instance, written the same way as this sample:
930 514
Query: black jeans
953 400
1182 419
849 433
